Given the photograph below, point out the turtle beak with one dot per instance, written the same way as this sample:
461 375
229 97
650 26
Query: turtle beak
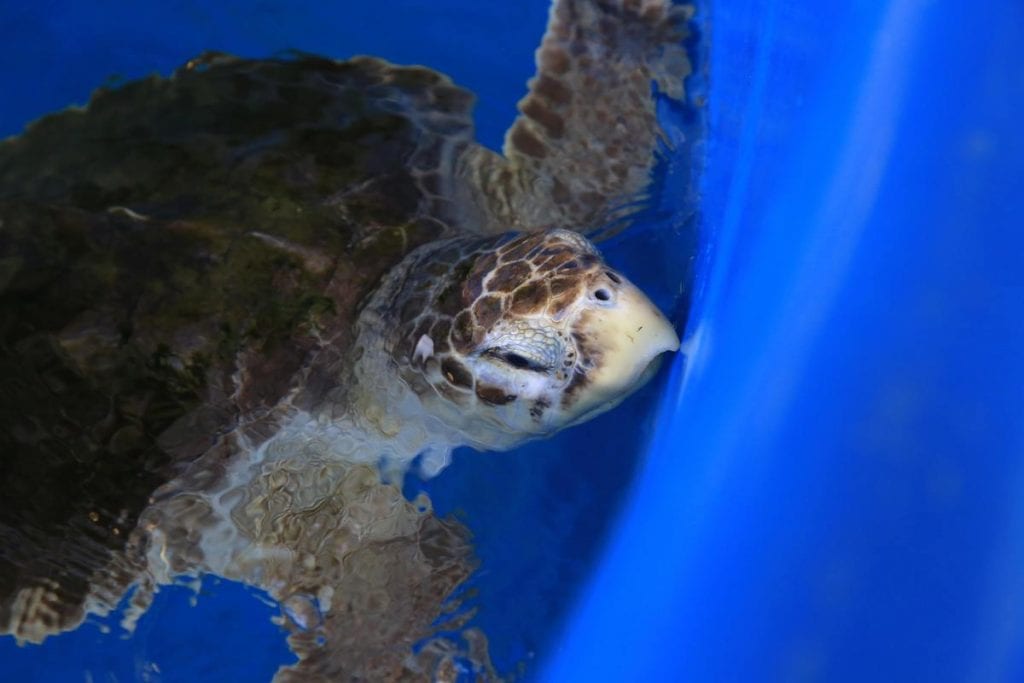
629 336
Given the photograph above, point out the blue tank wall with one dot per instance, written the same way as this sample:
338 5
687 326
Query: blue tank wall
836 488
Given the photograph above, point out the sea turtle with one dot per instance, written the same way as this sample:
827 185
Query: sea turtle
231 297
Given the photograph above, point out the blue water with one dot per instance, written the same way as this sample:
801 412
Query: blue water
539 515
172 642
56 52
833 486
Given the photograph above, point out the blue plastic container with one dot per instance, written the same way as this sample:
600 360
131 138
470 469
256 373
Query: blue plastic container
828 485
836 488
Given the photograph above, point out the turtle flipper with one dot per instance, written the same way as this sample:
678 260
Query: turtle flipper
583 145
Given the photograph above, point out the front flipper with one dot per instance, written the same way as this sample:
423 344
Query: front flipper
580 153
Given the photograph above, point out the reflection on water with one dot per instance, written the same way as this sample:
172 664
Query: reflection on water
236 305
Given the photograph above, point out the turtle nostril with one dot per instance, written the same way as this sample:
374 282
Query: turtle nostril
613 277
602 294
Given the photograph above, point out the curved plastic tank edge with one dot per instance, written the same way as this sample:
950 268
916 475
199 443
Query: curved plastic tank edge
833 492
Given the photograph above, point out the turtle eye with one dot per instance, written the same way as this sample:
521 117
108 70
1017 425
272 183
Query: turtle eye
518 361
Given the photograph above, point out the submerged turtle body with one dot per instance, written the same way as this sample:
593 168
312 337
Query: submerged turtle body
171 258
228 296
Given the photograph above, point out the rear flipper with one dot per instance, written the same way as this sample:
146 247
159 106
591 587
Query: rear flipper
580 152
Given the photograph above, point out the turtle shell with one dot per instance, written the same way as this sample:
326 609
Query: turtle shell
172 257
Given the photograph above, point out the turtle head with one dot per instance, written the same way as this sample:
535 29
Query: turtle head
518 336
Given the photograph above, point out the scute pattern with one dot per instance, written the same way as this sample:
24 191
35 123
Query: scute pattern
484 280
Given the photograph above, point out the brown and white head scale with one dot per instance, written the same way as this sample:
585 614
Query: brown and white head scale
512 337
